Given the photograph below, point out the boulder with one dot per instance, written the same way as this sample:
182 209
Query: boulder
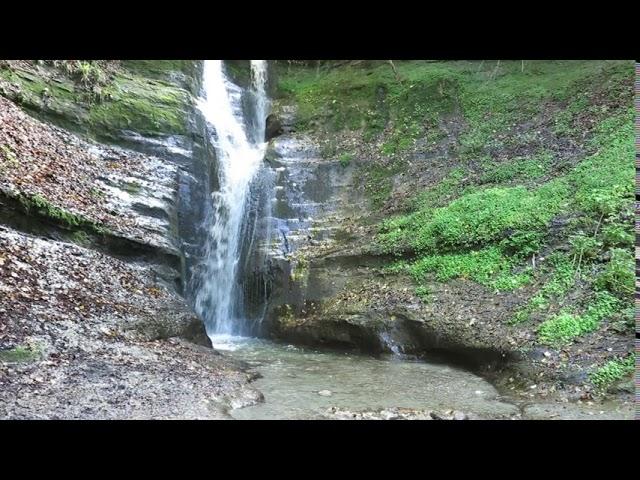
273 127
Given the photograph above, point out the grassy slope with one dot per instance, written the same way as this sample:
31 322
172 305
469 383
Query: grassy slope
552 144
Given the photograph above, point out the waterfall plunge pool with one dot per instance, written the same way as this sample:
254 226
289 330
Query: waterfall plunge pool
302 383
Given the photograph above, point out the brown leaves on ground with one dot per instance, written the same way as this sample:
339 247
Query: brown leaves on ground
39 159
74 175
62 281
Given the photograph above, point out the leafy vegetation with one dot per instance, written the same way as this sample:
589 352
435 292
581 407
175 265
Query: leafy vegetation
565 326
423 293
604 181
519 168
476 219
613 371
512 222
348 99
561 279
488 267
485 227
618 276
370 98
441 193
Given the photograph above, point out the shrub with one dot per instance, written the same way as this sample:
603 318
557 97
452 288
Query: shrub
618 276
613 371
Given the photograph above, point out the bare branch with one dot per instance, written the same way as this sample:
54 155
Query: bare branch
395 72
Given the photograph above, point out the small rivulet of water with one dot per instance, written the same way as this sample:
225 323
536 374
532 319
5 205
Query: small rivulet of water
240 147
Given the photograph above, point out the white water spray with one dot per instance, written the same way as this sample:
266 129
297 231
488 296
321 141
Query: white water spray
239 153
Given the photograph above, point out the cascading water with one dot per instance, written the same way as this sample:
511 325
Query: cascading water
240 148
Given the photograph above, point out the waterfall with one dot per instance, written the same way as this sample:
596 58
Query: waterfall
240 147
258 84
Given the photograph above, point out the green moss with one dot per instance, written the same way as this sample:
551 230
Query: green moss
81 238
36 91
345 159
239 71
67 219
613 371
132 187
46 208
142 96
147 106
20 354
564 327
158 69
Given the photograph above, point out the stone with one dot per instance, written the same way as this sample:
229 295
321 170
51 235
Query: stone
325 393
273 127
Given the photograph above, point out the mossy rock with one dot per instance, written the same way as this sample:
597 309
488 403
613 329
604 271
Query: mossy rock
151 97
149 107
184 72
239 71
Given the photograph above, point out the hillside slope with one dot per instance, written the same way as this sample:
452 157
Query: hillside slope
463 208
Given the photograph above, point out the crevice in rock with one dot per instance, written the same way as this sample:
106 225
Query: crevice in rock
15 215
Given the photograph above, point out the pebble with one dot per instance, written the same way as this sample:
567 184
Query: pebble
459 416
325 393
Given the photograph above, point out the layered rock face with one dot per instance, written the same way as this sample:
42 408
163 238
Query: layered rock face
97 231
330 289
